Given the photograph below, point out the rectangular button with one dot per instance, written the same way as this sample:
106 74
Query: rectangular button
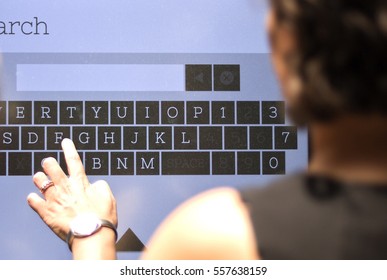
121 112
135 138
96 112
198 77
148 163
223 112
160 138
33 138
273 112
198 112
261 137
109 138
122 163
55 135
249 163
45 112
3 112
185 138
227 78
180 163
3 164
172 112
235 137
273 163
38 158
20 112
285 137
20 164
9 138
71 112
84 137
147 112
210 137
97 163
223 163
248 112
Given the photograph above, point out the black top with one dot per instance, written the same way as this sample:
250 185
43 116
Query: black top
305 217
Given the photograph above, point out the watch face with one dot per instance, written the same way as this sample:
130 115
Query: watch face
85 225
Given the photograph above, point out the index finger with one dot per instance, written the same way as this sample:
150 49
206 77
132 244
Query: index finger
74 163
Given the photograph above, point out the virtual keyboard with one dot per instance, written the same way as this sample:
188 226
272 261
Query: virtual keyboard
148 137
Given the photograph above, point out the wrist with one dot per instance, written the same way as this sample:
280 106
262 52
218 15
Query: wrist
87 229
100 245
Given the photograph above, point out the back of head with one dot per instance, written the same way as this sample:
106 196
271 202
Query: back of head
340 61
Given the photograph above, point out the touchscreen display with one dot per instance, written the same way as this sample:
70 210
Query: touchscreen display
163 99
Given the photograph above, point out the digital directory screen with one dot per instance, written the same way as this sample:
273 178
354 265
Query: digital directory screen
164 99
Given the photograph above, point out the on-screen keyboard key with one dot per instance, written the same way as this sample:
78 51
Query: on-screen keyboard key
147 112
248 112
39 157
261 137
223 112
235 137
3 164
71 112
109 138
122 163
55 135
148 163
210 138
160 138
45 112
185 138
135 138
33 138
273 163
189 163
20 164
172 112
285 137
3 112
273 112
121 112
96 112
223 163
198 112
20 112
97 163
249 163
9 138
84 137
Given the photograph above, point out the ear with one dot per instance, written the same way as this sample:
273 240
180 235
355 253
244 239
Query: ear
283 45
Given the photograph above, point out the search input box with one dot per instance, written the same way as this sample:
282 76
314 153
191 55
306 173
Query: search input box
100 77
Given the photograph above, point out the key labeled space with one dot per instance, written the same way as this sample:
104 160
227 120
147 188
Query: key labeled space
190 163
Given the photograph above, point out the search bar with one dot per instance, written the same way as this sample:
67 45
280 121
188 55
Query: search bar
100 77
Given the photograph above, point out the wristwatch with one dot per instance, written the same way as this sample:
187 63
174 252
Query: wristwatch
85 225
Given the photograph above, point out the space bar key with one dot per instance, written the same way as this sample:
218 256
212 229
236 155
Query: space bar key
185 163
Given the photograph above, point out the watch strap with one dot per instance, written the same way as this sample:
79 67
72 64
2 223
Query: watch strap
104 223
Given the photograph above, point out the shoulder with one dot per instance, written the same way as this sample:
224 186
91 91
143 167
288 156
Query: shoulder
212 225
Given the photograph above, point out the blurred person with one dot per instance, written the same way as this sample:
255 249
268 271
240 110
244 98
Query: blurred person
330 58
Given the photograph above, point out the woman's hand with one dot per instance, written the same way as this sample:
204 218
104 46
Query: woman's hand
68 196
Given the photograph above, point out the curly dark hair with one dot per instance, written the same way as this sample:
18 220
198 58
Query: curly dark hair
341 55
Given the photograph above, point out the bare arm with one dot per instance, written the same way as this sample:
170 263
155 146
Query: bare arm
213 225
